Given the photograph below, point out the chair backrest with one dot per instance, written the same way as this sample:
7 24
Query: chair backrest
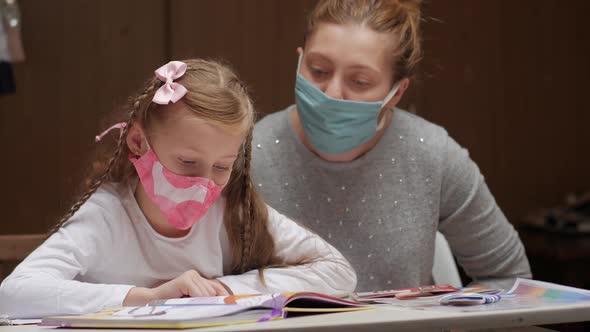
444 269
15 248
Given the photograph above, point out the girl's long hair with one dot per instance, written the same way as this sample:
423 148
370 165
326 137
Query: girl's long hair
215 94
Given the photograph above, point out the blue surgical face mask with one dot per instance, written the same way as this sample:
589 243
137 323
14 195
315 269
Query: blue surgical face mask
336 126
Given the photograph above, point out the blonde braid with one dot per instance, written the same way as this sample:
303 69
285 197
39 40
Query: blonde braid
135 105
248 205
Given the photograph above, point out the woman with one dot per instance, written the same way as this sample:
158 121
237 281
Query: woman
374 180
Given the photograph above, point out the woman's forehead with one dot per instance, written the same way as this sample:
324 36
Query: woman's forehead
351 45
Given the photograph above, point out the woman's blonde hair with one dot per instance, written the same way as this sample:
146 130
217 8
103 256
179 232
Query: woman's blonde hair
216 95
401 18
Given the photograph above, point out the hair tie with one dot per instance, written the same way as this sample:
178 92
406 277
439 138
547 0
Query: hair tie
119 126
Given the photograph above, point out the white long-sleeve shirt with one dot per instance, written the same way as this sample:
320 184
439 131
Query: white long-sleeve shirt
109 247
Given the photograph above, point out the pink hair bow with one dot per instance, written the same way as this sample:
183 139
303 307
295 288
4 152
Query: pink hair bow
170 91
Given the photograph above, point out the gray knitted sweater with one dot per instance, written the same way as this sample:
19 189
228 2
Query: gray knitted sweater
382 210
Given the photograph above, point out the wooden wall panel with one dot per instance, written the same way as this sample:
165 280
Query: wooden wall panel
83 57
508 80
542 143
258 37
460 78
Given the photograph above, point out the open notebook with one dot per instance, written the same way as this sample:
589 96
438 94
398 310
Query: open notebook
210 311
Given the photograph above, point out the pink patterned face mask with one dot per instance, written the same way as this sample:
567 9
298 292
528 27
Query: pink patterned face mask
183 200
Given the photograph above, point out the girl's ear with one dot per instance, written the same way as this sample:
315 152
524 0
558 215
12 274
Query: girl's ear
136 140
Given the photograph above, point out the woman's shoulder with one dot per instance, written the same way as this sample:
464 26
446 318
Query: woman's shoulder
434 140
273 139
415 137
412 134
407 122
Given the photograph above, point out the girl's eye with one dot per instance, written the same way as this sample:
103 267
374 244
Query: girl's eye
186 161
221 168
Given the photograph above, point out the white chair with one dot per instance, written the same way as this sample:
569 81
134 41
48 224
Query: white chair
444 268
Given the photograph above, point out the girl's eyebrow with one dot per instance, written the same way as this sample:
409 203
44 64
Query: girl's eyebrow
199 153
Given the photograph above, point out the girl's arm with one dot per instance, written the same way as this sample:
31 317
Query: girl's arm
43 285
328 272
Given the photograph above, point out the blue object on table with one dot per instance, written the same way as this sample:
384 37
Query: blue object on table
469 299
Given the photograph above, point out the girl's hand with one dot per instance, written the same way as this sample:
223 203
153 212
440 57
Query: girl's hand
190 284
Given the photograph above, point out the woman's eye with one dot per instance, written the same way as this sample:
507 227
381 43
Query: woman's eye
318 71
360 83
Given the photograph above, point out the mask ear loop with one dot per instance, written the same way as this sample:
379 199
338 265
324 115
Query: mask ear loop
119 126
387 100
299 63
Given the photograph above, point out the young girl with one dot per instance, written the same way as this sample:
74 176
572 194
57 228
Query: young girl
174 212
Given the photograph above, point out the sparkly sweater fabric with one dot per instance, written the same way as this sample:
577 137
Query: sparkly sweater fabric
382 210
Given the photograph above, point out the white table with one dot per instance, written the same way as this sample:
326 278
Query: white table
402 319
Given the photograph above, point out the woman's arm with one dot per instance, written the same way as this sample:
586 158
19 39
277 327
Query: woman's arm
480 236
